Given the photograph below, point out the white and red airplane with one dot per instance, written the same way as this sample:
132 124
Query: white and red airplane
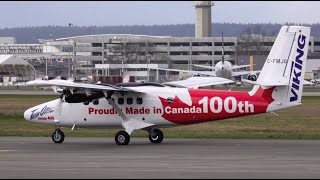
150 106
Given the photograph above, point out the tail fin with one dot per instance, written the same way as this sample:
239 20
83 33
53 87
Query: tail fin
298 64
286 64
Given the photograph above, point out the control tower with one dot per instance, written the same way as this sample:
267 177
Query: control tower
203 18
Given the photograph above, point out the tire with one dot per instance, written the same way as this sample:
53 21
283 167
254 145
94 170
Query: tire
57 136
157 138
122 138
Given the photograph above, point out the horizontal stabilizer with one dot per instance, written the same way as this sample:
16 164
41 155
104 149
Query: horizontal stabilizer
274 83
194 82
240 73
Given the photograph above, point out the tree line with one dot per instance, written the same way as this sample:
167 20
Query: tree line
32 34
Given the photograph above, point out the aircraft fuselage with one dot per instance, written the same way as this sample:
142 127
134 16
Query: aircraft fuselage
164 107
223 69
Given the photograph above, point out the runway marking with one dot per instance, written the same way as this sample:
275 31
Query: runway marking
5 150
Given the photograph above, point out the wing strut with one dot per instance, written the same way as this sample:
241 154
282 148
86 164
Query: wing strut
128 124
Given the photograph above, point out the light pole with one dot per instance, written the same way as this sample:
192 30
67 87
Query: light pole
46 57
122 66
35 73
51 41
69 62
148 62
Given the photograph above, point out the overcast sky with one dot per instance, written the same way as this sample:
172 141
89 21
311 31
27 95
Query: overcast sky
108 13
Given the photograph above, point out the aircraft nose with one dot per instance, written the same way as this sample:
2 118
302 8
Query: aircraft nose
27 114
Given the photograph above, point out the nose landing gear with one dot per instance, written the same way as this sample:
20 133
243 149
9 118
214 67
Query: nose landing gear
57 136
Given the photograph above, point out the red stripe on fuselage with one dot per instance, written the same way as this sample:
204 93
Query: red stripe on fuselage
210 105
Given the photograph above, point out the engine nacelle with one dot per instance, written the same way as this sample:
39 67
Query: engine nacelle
83 98
77 98
252 77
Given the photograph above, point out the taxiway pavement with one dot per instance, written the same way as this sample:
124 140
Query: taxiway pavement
39 157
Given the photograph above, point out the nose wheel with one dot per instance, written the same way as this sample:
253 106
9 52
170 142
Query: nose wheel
57 136
156 136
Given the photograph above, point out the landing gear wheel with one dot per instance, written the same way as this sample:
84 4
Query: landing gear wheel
57 136
122 138
157 137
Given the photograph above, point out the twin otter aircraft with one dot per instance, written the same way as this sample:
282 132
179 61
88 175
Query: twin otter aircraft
149 106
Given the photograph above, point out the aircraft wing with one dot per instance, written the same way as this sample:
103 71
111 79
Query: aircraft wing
63 84
241 66
194 82
208 73
240 73
204 66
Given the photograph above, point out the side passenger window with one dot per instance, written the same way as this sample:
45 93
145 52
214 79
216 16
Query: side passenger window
139 101
120 101
129 100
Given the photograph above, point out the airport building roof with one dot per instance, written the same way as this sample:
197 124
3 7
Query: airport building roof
11 60
115 35
11 65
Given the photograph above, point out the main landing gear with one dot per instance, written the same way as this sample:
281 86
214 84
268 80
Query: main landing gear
57 136
123 138
156 136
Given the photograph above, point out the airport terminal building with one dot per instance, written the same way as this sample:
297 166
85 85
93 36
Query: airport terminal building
99 54
120 54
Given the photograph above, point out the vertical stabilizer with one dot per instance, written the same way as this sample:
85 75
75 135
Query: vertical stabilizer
297 67
285 66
